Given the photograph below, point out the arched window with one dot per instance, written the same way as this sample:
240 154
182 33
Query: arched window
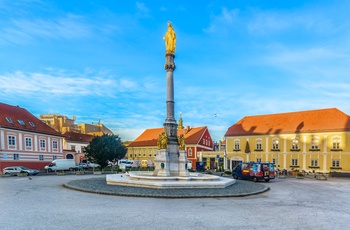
295 143
275 144
315 143
237 145
190 152
336 142
69 156
258 144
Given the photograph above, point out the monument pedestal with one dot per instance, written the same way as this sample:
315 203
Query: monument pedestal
162 166
183 171
171 162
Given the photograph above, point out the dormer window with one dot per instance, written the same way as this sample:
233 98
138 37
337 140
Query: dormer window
31 124
9 120
21 122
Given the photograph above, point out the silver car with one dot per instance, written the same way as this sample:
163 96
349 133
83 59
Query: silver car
13 170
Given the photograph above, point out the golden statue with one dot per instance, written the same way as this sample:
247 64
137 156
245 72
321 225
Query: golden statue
162 141
182 142
170 40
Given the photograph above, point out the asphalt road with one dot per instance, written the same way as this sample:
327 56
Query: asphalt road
43 203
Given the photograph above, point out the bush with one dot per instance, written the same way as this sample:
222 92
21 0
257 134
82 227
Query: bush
228 172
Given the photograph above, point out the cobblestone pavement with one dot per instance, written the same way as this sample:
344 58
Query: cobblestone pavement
43 203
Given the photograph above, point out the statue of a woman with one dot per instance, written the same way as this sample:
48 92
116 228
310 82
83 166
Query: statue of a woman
170 40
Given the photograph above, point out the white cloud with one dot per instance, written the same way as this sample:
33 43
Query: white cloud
65 83
223 22
21 31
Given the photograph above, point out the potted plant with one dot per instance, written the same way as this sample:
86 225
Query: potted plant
80 172
60 173
300 175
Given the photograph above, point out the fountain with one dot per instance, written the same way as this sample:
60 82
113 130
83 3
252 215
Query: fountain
171 160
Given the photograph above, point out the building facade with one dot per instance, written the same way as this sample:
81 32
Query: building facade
196 140
315 140
64 124
74 144
25 140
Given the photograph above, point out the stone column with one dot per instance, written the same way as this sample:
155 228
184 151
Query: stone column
170 125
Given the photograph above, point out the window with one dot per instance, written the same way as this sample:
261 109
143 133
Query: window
190 152
54 145
41 157
11 140
274 161
21 122
314 163
82 149
42 144
150 152
16 156
9 120
72 147
275 145
258 159
237 145
336 142
258 144
31 124
28 142
295 162
295 144
336 163
54 157
314 143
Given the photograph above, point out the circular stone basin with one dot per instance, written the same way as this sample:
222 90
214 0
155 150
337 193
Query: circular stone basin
147 180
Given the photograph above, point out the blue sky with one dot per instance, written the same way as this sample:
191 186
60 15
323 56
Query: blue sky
104 59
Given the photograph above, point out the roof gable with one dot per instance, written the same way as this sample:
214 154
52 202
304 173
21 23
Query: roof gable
323 120
150 136
78 137
23 120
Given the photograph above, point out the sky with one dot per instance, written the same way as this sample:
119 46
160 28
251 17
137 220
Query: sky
104 60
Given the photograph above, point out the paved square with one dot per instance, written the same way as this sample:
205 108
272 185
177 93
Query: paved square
42 203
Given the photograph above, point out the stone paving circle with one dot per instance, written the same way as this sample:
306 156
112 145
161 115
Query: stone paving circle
99 186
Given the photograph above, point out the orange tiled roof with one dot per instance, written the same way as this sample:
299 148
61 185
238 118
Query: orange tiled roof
322 120
16 113
79 137
150 136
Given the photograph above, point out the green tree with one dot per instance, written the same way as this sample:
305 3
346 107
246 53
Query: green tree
105 148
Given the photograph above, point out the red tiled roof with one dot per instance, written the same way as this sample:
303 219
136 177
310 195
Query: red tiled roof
150 136
16 113
322 120
79 137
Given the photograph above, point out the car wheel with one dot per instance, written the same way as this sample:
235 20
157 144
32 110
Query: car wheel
255 179
27 173
50 170
235 176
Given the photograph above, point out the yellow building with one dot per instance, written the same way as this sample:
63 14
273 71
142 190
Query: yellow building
60 123
63 124
315 140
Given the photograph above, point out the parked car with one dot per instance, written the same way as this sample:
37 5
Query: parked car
13 170
254 171
93 165
83 166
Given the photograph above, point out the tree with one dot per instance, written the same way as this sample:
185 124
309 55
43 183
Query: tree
105 148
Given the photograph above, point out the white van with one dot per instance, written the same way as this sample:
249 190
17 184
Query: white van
62 164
